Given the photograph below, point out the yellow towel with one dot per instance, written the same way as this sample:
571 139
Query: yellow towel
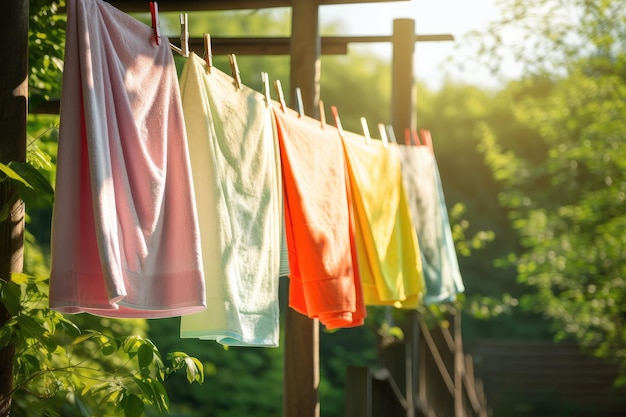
387 247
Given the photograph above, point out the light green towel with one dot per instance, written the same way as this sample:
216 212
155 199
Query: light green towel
233 152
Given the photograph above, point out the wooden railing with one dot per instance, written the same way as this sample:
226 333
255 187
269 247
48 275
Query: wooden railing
427 374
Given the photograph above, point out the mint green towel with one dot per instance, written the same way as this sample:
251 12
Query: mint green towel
232 146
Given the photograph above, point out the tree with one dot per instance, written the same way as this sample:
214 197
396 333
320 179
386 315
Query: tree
567 203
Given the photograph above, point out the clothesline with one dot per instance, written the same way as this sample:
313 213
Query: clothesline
190 197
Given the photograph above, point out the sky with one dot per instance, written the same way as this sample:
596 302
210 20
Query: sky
454 17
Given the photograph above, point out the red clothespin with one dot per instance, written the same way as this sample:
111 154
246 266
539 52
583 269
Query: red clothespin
154 12
407 136
427 138
415 138
335 112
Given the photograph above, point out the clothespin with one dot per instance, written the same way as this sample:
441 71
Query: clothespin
154 12
235 70
391 134
266 88
299 104
428 140
416 138
208 57
281 96
337 120
407 137
184 35
383 134
366 130
322 114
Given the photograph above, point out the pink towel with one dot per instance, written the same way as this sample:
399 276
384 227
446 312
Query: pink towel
125 239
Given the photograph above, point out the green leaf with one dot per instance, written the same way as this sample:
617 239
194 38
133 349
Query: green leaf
82 407
162 401
39 192
108 349
30 327
83 337
22 278
10 173
194 370
133 406
131 344
145 356
11 293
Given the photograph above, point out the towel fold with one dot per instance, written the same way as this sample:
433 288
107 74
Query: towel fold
430 218
324 282
387 246
236 173
125 239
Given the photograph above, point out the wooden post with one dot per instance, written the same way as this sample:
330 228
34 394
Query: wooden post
459 368
403 89
13 114
302 376
305 50
412 341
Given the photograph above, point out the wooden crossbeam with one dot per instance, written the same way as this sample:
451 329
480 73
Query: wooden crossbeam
204 5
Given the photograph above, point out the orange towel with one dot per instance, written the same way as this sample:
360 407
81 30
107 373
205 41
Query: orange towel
324 280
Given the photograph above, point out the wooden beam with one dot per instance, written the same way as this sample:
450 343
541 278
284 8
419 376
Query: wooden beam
330 45
403 88
302 374
13 122
204 5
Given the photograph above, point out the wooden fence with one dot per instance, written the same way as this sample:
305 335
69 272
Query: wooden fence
427 375
547 379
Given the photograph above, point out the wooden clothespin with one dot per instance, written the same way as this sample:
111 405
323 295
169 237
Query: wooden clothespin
335 112
322 114
208 56
281 95
235 70
366 130
266 88
184 37
383 135
154 12
299 103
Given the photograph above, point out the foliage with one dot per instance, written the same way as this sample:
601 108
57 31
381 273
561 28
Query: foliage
54 360
567 205
45 50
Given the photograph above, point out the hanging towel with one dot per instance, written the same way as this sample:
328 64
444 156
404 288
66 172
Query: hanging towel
387 246
324 281
430 218
125 239
236 178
